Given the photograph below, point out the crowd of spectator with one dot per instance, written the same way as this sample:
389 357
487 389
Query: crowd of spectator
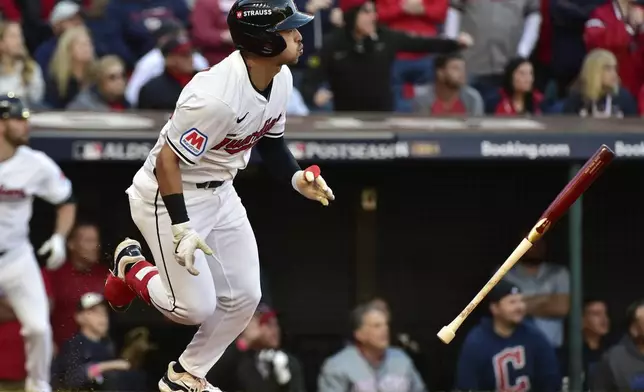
533 57
518 343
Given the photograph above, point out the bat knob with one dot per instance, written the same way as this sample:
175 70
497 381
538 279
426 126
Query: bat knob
446 335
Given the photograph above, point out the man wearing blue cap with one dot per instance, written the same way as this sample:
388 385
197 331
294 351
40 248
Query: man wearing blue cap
503 353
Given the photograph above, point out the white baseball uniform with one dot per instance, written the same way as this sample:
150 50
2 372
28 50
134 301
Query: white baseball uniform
27 174
219 117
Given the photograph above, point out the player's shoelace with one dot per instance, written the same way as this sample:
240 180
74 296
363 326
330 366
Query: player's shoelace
200 386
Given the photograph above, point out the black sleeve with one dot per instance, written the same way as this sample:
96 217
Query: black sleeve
146 98
73 366
297 377
404 42
278 158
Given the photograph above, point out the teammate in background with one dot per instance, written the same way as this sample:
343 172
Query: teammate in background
183 200
25 173
504 353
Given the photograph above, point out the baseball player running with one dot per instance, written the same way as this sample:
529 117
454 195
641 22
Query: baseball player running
183 200
25 173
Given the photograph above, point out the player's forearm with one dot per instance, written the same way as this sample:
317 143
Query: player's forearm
65 218
169 178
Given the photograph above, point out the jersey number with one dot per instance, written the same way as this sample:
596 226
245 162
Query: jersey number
512 358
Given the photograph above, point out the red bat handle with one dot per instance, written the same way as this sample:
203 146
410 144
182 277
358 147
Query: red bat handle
578 185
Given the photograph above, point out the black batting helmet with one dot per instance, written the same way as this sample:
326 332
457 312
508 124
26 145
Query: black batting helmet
254 24
12 107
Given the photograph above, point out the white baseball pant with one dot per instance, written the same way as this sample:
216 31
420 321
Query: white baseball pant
21 283
225 294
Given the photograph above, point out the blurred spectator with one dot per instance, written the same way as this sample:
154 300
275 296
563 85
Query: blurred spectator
107 92
356 60
568 18
162 92
136 347
617 27
369 363
35 15
138 20
80 274
65 15
450 93
622 367
517 95
505 353
264 367
405 341
152 64
210 31
595 324
13 358
70 69
502 32
105 34
296 105
598 93
19 73
88 361
546 291
224 373
417 17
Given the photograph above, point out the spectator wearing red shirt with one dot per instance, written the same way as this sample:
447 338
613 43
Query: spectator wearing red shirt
618 27
12 360
80 274
210 32
449 95
416 17
517 96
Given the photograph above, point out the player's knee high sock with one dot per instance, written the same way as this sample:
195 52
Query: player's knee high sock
39 350
139 276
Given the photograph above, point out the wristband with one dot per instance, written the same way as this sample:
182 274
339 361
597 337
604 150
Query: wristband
176 207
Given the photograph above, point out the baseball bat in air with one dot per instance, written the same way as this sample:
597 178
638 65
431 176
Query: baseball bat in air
578 185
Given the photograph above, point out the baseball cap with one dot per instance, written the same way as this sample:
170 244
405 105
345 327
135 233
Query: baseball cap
177 45
502 290
168 26
90 300
63 10
265 313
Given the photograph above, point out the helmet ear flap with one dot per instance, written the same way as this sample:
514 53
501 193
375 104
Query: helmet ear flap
267 44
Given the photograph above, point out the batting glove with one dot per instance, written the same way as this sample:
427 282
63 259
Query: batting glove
311 185
186 243
55 247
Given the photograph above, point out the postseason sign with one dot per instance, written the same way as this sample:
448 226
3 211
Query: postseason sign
83 136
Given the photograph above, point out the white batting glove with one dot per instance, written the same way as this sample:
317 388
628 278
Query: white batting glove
186 243
55 247
311 185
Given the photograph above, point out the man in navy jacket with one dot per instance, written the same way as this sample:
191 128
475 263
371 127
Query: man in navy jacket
504 352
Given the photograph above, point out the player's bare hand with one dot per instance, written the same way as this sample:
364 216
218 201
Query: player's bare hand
311 185
186 243
56 249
